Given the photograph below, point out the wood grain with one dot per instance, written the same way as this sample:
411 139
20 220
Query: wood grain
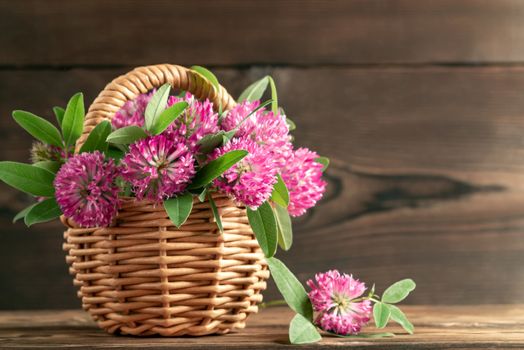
427 179
229 32
445 327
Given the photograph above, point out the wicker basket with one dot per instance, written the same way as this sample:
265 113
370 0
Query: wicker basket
143 276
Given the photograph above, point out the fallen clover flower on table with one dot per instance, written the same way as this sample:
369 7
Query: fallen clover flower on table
173 152
341 305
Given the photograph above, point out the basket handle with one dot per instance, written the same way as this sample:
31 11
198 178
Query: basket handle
143 79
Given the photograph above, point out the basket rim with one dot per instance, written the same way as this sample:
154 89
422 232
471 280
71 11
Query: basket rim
133 202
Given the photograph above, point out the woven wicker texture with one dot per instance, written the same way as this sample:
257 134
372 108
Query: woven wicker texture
143 276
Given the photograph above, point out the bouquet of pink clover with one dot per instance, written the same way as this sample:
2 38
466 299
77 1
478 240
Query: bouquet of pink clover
169 149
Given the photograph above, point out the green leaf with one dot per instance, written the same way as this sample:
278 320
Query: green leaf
285 231
96 141
49 165
179 208
381 313
364 335
202 195
302 331
44 211
398 291
216 214
274 97
114 153
254 91
290 288
156 105
398 316
216 167
23 213
324 161
211 141
280 194
207 75
167 117
38 127
229 135
290 124
59 114
264 225
221 114
27 178
116 146
126 135
73 121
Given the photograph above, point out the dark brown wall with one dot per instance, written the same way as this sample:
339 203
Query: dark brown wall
419 104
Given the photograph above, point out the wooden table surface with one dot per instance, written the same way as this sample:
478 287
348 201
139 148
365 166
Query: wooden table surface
437 327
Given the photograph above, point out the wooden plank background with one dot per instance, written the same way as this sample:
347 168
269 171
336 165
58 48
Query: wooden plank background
419 104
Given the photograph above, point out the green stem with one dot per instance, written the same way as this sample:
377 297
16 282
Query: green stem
271 303
365 298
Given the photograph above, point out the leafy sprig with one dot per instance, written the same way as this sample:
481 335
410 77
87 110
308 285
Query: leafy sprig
302 329
384 310
37 179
